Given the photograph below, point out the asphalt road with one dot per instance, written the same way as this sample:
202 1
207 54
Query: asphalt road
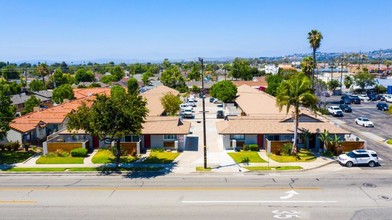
382 127
293 195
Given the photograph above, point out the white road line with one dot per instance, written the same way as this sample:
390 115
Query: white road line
261 201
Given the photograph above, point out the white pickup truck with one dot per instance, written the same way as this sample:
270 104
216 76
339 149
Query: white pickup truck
335 111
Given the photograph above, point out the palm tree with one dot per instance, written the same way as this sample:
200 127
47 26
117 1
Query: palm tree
314 37
295 92
307 65
42 70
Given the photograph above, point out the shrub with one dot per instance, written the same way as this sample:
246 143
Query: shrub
8 146
245 147
390 109
286 149
2 147
61 153
253 147
15 145
26 146
51 154
389 141
79 152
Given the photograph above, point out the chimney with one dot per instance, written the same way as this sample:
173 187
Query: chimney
36 109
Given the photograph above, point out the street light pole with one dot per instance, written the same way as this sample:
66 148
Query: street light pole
204 114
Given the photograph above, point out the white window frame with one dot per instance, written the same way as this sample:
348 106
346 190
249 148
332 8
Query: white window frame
170 137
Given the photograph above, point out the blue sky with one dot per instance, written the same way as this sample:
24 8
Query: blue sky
69 30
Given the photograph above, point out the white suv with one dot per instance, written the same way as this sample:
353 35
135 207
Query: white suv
355 157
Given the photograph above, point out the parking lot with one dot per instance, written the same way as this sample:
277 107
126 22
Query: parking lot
382 121
374 136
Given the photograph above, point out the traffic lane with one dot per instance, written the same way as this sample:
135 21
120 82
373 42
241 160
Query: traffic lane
321 197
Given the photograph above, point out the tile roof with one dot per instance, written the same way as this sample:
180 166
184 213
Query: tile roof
254 125
153 97
165 125
55 114
85 92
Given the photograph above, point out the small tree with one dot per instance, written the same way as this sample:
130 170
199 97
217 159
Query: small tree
364 79
171 103
37 85
146 78
132 85
333 84
326 139
42 70
224 90
63 92
7 112
111 117
348 81
30 104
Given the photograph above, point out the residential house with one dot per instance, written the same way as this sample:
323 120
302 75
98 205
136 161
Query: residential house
262 123
20 99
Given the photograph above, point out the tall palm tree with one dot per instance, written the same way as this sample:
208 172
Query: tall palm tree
42 70
307 65
314 37
294 93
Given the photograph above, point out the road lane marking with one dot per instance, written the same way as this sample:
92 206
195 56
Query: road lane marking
160 189
17 202
261 201
290 194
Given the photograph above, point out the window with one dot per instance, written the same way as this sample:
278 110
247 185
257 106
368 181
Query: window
132 138
170 137
237 137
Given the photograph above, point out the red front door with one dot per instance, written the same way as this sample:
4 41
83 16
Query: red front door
260 141
147 141
95 142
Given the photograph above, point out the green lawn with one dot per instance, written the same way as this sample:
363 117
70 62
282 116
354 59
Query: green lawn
161 157
246 157
302 156
11 157
106 156
261 168
202 169
60 160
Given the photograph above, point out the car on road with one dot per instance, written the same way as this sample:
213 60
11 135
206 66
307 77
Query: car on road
345 108
335 111
363 121
357 157
220 114
382 106
345 100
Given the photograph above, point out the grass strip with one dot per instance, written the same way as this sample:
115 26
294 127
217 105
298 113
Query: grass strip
262 168
60 160
161 157
202 169
38 169
246 157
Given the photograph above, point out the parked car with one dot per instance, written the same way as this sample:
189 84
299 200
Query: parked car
325 93
217 101
220 114
373 97
191 103
335 111
212 99
388 98
356 157
365 122
346 100
345 108
187 113
382 106
355 99
363 97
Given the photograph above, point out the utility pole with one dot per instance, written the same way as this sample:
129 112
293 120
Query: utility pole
204 114
341 74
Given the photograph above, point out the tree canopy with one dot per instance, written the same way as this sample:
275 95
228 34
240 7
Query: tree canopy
364 79
133 85
333 84
7 112
171 103
173 78
62 92
110 117
224 90
37 85
295 92
30 104
83 75
241 69
10 72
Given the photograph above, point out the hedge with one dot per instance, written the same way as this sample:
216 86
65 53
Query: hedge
79 152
